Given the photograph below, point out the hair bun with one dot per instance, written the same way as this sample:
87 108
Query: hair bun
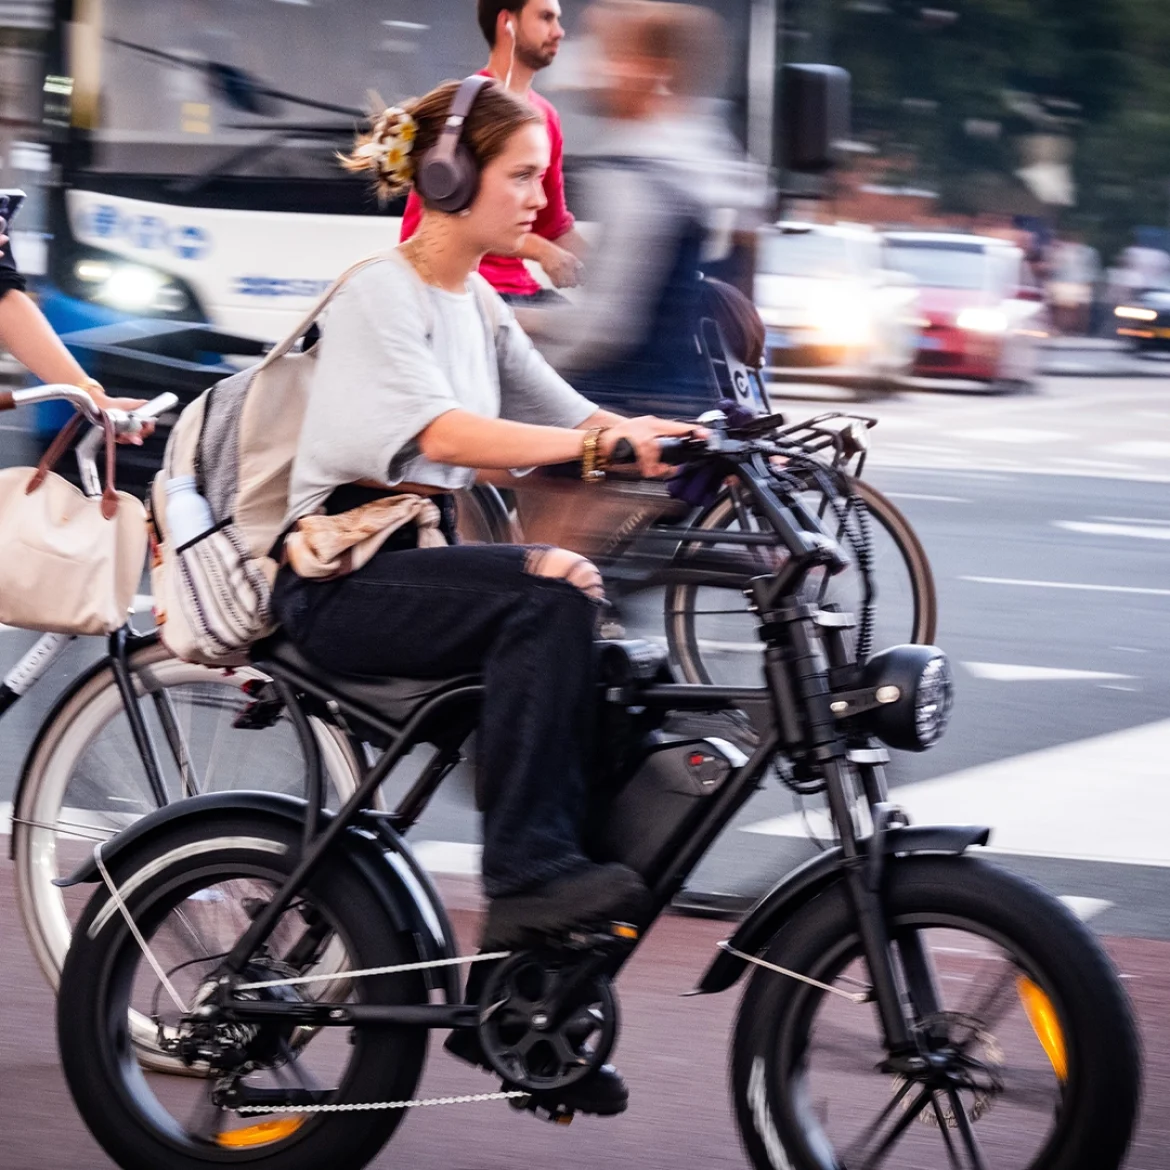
386 151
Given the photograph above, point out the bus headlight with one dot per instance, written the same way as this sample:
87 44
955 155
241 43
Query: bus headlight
914 688
131 288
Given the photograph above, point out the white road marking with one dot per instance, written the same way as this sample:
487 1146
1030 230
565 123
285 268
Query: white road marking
1025 583
1142 531
923 496
1011 672
1140 449
1012 435
5 818
1132 519
1085 908
450 857
1105 799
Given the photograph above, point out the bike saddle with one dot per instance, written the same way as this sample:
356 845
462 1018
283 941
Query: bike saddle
392 700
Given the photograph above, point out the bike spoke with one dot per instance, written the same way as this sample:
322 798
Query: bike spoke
878 1156
966 1131
944 1129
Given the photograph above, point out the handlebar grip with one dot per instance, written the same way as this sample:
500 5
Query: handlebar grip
7 402
671 451
156 406
623 452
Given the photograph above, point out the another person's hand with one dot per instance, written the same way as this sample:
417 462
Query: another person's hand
104 402
643 434
3 241
561 266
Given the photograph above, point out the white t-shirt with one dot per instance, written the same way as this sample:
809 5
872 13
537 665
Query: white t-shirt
395 353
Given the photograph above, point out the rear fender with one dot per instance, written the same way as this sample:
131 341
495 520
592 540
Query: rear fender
779 904
381 855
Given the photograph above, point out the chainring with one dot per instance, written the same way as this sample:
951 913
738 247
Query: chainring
543 1025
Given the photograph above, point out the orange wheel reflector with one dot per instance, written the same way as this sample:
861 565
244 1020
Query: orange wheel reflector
1042 1017
259 1134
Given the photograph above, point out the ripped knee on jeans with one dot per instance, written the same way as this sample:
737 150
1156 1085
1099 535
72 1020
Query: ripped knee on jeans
545 561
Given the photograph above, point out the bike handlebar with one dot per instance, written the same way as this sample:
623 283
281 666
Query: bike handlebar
124 422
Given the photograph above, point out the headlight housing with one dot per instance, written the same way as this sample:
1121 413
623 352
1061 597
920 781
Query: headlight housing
983 320
915 690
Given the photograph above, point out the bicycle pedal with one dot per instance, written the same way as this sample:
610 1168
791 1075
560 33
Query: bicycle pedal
555 1114
604 936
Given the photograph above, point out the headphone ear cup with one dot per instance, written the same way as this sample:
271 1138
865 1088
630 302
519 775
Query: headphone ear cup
448 184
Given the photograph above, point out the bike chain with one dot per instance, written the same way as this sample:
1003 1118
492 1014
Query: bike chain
363 1106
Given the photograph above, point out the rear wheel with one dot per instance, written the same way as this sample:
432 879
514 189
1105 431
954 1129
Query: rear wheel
192 891
1030 1057
85 780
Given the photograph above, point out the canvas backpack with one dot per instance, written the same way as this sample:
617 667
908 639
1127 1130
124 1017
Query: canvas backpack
213 596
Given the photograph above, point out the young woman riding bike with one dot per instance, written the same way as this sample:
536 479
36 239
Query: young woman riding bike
422 374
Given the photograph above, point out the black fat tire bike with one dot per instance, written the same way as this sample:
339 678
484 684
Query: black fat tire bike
909 1003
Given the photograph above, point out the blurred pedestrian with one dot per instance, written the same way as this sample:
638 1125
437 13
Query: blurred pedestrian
524 37
1074 268
30 339
657 172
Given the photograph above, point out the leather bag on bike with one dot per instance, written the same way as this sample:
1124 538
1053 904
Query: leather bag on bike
69 563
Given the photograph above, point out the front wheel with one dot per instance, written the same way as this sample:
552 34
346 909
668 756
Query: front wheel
1028 1052
192 890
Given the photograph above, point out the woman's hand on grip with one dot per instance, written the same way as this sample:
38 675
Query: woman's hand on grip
643 434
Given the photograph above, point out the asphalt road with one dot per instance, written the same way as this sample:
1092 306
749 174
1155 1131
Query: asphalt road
1046 519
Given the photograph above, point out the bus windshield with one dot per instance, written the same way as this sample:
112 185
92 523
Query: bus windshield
161 111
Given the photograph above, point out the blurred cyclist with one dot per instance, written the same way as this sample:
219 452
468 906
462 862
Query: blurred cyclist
30 339
524 37
659 170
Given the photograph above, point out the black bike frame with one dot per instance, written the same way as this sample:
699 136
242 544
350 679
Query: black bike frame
803 648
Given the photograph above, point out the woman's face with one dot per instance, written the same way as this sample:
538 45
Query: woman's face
511 192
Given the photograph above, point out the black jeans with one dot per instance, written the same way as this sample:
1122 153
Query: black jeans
440 612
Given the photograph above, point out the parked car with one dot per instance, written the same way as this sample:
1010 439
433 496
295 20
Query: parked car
1143 320
835 312
982 313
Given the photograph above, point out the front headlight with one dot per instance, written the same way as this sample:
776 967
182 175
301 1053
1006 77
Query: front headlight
132 288
914 688
1132 313
983 320
845 321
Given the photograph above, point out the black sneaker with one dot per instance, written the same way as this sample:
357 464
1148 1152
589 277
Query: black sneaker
591 898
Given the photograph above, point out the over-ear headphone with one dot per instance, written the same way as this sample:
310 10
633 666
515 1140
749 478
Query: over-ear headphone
447 177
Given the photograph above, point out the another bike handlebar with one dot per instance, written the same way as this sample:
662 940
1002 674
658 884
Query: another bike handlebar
124 422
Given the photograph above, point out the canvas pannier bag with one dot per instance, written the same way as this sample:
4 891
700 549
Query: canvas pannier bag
69 563
213 595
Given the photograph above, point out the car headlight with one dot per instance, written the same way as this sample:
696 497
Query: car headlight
132 288
1132 313
844 321
914 690
983 320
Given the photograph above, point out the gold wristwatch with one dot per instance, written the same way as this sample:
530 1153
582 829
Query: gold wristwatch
592 463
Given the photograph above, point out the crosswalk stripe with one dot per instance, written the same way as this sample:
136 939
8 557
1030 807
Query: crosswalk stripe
1011 672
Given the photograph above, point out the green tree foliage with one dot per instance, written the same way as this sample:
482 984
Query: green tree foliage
949 94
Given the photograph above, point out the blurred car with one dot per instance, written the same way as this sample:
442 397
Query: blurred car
835 313
1143 320
982 314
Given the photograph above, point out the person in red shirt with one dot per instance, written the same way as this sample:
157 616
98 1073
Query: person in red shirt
524 37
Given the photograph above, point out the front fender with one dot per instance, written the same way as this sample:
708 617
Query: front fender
782 901
380 854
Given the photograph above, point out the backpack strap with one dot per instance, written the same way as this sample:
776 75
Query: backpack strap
283 347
